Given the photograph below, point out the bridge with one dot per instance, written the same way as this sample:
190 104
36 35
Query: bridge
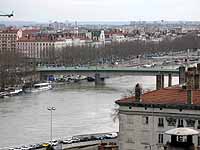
96 72
108 70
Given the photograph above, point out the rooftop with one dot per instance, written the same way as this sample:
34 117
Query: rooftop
8 31
171 95
30 31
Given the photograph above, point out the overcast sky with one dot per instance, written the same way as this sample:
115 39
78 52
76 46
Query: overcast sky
101 10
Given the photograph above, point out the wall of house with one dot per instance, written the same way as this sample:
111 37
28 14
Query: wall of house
136 133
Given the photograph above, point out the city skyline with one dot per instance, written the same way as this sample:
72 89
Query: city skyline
96 10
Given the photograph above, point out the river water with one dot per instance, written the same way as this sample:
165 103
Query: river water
80 109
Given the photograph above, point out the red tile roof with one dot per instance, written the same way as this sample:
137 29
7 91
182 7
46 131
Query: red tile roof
174 95
39 39
9 31
29 32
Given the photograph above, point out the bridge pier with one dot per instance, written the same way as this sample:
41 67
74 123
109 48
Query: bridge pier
98 79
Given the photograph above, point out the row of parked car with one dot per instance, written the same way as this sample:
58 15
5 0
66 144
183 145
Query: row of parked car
28 147
67 140
85 138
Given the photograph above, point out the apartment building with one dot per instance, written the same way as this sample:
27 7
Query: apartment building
144 118
40 48
8 39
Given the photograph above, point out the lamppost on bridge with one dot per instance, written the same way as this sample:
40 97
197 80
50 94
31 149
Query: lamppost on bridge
51 109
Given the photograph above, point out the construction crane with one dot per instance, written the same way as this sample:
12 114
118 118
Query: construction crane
2 14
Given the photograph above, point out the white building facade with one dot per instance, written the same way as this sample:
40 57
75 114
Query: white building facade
142 128
39 48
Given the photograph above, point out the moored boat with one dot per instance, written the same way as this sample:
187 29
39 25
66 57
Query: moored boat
10 91
39 87
15 92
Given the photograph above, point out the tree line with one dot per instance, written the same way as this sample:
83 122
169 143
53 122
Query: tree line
125 50
15 65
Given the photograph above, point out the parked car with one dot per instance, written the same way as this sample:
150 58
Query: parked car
108 136
17 148
36 146
114 135
67 141
93 138
100 137
45 144
54 142
24 147
75 139
31 147
84 138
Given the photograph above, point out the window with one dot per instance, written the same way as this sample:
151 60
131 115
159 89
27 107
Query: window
145 120
171 121
198 125
160 122
160 138
180 123
190 123
198 142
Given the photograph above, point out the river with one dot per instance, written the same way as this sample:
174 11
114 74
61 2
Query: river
80 109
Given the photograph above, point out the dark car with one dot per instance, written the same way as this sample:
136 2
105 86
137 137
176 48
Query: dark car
84 139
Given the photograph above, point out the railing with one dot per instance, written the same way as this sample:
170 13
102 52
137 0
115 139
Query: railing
106 69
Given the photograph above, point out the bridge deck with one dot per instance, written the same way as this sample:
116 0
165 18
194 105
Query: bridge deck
108 70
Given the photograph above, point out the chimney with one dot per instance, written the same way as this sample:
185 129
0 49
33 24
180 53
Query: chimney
138 93
162 81
190 84
196 81
189 96
158 82
169 80
181 75
191 77
198 68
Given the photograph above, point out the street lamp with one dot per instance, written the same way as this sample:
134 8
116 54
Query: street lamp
51 110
